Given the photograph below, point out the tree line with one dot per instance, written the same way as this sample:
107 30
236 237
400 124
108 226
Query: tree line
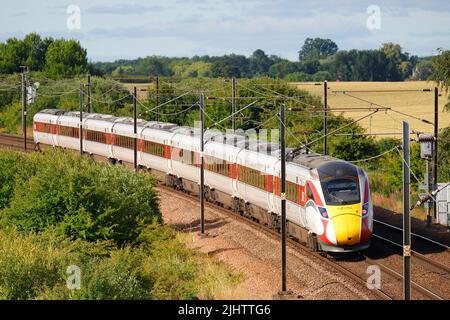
56 57
318 60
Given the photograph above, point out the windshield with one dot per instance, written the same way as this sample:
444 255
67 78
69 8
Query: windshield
340 183
341 191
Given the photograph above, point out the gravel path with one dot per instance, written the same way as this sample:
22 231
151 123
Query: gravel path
256 255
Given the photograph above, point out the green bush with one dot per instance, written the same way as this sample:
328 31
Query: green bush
9 167
81 198
33 266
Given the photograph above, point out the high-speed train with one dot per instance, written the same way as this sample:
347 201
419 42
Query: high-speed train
328 203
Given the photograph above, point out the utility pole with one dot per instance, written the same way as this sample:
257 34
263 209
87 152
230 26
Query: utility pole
24 107
325 117
406 216
233 104
81 119
202 169
157 98
428 189
436 136
283 200
89 93
135 128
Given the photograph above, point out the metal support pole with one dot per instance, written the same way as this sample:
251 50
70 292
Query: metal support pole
157 98
89 94
233 104
436 136
24 111
283 199
135 128
81 119
406 216
202 169
325 117
427 190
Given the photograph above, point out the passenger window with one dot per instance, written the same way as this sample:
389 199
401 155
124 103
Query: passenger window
310 193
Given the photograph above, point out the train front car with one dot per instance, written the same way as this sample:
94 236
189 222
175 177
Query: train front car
347 212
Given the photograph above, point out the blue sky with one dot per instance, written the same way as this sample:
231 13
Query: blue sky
128 29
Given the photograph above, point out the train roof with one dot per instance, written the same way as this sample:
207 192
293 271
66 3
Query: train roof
313 160
307 160
55 112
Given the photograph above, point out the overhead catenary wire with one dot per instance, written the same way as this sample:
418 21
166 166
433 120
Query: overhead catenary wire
375 157
162 104
339 129
233 114
390 109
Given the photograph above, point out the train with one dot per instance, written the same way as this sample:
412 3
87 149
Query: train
328 201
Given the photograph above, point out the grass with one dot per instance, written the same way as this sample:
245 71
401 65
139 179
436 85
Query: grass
418 104
394 203
143 89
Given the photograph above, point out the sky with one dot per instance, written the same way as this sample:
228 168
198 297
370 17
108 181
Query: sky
120 29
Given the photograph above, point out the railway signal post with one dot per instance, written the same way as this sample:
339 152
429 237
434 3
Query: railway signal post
233 104
24 107
157 98
283 200
435 156
202 168
89 102
135 128
325 117
81 119
406 216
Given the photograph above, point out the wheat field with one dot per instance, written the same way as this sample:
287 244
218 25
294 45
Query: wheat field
388 124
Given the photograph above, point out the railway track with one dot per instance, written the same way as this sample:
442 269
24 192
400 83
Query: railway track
430 259
354 267
13 142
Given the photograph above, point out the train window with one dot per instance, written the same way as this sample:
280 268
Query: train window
217 165
252 177
291 191
340 183
69 131
154 148
341 191
95 136
310 193
124 142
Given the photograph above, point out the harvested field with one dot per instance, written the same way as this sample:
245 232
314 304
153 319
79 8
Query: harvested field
418 104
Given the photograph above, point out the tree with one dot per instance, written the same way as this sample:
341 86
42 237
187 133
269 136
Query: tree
30 52
318 48
399 60
228 66
260 63
36 49
441 74
298 77
281 69
423 70
12 55
65 58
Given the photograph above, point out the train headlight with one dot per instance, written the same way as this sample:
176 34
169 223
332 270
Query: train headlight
365 209
323 212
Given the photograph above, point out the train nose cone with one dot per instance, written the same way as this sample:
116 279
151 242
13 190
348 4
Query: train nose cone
347 228
347 224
